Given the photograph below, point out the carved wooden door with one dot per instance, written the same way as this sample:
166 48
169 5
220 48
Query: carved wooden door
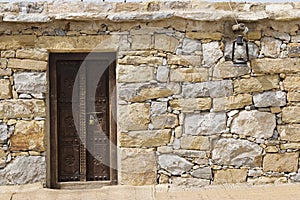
82 145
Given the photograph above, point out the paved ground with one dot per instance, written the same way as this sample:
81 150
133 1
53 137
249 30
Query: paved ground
230 192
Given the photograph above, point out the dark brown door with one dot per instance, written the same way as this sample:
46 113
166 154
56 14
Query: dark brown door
83 132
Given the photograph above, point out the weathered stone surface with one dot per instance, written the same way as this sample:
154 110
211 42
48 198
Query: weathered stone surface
295 38
165 42
291 114
5 92
150 138
290 146
271 47
158 108
294 50
184 60
138 60
3 133
28 135
189 46
292 83
189 74
164 121
203 173
162 74
135 116
27 64
254 35
255 172
191 104
283 162
152 92
16 42
204 35
195 142
24 170
268 99
275 66
22 108
256 84
204 123
174 164
289 132
267 180
228 70
30 82
34 54
189 182
3 63
134 74
141 41
211 89
5 72
236 152
8 54
254 123
230 176
211 53
232 102
293 96
135 172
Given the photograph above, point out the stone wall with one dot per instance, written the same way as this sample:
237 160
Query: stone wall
186 115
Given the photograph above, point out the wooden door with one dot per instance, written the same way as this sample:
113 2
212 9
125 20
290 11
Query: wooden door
83 132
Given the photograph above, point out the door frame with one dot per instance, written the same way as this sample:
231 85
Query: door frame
51 121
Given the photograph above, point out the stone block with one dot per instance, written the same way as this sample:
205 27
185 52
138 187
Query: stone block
289 132
3 63
255 35
191 104
3 133
195 143
189 46
149 138
134 74
237 152
202 173
228 70
184 60
189 182
281 162
162 74
275 66
5 72
204 123
232 102
165 43
211 53
271 47
141 42
256 84
291 114
164 121
27 64
267 180
291 83
34 54
30 82
138 60
254 123
28 135
290 146
152 92
8 54
174 164
230 176
5 92
17 42
294 50
204 35
270 99
293 96
158 108
189 75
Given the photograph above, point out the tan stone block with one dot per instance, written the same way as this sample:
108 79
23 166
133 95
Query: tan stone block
191 104
289 132
256 35
128 7
204 35
5 91
5 72
2 154
294 49
290 146
256 84
149 138
189 75
271 149
165 43
34 54
267 180
3 63
16 42
164 121
134 74
275 66
27 64
195 143
275 110
28 135
232 102
228 70
291 114
230 176
283 162
138 60
184 60
141 42
293 96
8 54
152 93
292 83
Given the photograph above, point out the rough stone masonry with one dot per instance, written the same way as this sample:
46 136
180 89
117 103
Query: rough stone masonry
186 115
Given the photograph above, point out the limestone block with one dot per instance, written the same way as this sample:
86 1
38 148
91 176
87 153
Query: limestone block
3 133
28 135
5 72
191 104
22 108
14 172
189 46
152 92
289 132
5 92
162 74
189 182
174 164
3 63
281 162
8 54
232 102
213 89
141 42
34 54
138 166
256 84
149 138
278 7
134 74
191 154
158 108
290 146
184 60
293 96
203 173
30 82
135 116
27 64
165 43
254 35
295 38
204 35
255 172
16 42
275 66
228 70
292 83
291 114
230 176
129 7
189 75
164 121
270 99
237 152
204 123
138 60
267 180
294 50
254 123
211 53
271 47
195 143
